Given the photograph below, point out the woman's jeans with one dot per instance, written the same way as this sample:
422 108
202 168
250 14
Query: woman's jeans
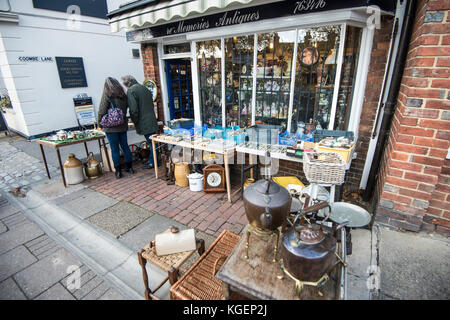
117 139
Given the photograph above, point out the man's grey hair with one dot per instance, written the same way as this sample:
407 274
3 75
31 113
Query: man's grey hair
127 80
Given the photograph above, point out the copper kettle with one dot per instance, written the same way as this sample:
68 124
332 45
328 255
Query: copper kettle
266 204
308 251
92 167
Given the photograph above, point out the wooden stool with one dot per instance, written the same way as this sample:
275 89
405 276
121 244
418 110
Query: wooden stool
199 282
170 263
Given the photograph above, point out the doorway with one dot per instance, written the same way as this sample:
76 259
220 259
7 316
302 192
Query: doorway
179 88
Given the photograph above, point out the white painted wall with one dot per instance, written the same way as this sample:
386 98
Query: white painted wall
40 104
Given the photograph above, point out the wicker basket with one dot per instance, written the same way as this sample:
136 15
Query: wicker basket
324 167
199 282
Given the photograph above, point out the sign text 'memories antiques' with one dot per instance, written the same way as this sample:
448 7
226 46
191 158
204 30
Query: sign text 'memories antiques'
71 72
251 14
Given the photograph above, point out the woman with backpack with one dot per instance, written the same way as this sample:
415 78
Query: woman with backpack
112 119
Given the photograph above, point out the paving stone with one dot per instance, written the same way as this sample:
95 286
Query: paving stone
88 204
89 281
7 210
97 292
357 288
54 188
140 236
111 294
45 273
18 236
14 261
57 292
3 227
413 266
16 220
10 291
120 218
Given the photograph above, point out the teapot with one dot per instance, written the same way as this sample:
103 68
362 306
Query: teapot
307 250
62 135
92 167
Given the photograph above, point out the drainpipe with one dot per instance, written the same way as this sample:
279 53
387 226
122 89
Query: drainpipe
391 101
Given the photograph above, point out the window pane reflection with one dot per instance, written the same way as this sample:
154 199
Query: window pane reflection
239 81
314 79
273 77
209 56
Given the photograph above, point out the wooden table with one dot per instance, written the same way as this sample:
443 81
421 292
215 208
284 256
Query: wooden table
258 277
226 152
57 146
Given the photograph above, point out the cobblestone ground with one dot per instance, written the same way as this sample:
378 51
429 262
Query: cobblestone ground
210 213
18 169
32 265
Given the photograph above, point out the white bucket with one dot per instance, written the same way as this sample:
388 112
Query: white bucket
195 181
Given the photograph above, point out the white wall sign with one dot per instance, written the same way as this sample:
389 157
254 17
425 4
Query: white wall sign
36 59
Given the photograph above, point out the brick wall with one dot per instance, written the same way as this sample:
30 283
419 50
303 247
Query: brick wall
414 179
151 71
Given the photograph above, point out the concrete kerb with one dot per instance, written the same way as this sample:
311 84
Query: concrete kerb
115 262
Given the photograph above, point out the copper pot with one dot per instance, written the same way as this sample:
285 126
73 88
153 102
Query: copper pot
92 167
308 251
266 204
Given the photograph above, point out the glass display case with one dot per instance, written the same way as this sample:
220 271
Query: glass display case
209 56
273 77
315 77
239 80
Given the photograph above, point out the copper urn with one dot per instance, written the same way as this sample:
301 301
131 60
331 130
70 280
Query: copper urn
266 204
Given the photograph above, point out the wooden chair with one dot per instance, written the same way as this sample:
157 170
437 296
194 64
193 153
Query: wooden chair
170 263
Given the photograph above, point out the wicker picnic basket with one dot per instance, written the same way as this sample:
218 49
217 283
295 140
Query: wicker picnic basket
199 282
324 167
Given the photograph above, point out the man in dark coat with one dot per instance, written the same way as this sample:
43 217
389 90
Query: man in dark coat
142 112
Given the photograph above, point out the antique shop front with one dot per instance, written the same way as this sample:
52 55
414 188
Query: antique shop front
298 65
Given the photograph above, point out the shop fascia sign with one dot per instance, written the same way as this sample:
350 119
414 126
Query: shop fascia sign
251 14
36 59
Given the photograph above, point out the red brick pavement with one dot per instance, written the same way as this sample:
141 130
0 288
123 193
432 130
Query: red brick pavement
207 212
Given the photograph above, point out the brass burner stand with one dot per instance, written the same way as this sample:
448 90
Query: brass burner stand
300 284
262 233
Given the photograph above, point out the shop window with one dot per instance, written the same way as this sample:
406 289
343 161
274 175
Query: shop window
316 65
209 56
348 75
239 80
177 48
315 100
273 77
